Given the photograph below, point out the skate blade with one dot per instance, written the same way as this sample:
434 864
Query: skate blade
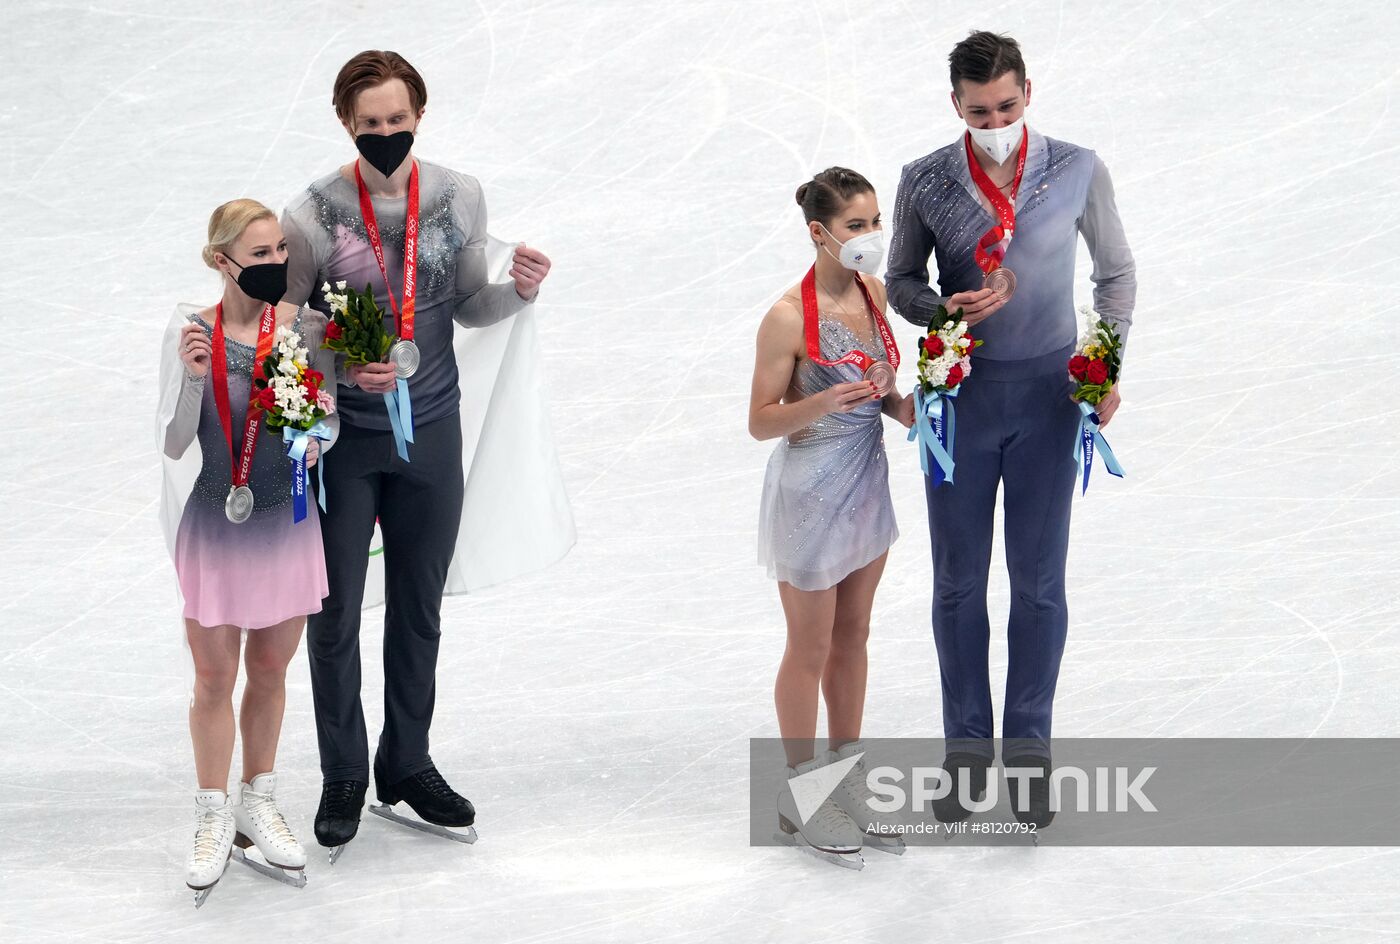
467 835
893 845
847 860
293 877
334 853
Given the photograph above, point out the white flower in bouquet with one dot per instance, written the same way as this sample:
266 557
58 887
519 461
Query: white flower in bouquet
945 355
338 302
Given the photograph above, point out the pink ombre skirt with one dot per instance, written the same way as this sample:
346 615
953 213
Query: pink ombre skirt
251 575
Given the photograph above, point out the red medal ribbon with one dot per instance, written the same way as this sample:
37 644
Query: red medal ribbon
410 249
809 325
243 460
1005 208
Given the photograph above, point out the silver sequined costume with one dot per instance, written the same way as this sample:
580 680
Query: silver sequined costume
826 507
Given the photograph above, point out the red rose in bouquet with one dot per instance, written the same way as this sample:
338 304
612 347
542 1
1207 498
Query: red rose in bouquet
1097 359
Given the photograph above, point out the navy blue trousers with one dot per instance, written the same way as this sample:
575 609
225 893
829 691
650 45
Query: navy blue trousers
1015 428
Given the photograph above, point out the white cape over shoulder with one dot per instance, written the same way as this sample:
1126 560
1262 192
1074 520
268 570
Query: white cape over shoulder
516 517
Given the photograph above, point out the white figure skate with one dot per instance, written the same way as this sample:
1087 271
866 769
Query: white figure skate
828 833
854 796
213 841
259 823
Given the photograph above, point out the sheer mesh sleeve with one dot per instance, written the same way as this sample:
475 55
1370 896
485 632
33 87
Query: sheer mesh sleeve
308 247
480 302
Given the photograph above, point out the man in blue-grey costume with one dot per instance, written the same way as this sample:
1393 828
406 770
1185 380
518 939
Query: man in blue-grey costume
1016 424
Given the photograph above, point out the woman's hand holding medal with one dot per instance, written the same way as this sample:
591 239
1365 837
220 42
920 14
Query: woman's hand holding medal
195 350
845 397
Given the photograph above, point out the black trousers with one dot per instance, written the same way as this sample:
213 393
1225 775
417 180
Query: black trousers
419 507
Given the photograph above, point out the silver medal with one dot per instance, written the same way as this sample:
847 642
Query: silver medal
404 356
239 504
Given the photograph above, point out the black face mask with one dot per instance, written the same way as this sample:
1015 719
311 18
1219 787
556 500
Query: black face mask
267 281
385 152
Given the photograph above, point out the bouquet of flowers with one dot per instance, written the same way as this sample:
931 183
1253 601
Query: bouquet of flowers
945 353
356 325
1094 368
356 329
945 361
1097 359
292 400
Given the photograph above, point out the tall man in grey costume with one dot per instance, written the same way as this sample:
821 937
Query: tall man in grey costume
380 100
1016 423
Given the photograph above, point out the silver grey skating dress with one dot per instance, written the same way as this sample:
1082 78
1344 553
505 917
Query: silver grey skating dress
826 507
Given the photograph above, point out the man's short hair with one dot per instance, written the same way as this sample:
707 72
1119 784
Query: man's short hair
371 68
983 57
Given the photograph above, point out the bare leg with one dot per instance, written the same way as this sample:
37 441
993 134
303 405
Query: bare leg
215 651
843 680
810 615
269 651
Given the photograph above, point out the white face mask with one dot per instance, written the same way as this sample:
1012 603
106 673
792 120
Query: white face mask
999 143
861 253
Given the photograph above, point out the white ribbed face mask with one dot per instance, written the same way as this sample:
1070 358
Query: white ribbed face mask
999 143
861 253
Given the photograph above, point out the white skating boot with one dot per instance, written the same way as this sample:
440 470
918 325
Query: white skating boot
829 833
260 823
854 796
213 840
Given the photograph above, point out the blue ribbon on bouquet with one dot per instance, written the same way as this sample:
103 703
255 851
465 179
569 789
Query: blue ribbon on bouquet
1085 441
400 417
935 422
295 441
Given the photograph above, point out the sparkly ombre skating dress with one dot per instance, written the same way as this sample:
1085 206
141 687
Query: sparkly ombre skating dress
826 507
267 569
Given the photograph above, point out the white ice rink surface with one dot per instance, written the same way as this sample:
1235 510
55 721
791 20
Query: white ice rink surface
1239 582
